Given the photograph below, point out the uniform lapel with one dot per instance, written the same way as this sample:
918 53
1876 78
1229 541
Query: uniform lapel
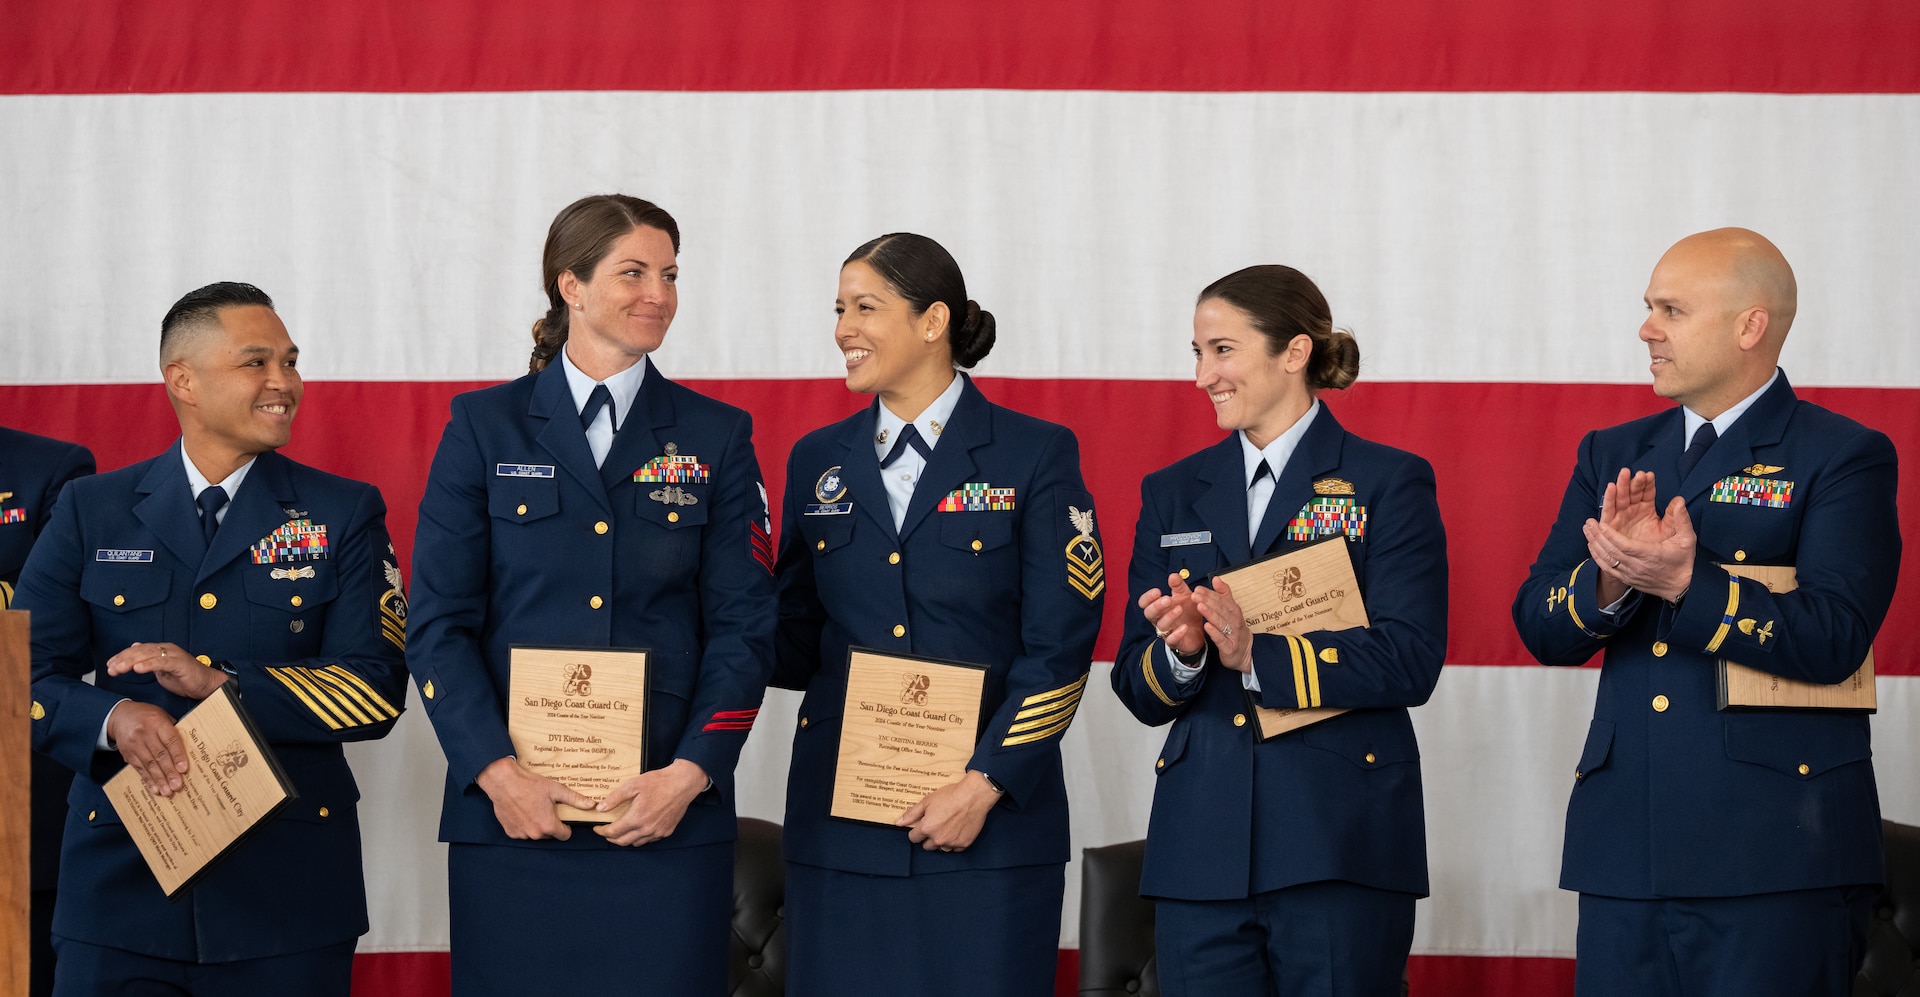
1317 453
951 466
259 509
1763 424
860 470
1222 503
168 508
637 442
561 436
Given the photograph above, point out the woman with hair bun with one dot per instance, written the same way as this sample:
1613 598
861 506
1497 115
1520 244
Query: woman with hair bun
1291 865
594 503
933 523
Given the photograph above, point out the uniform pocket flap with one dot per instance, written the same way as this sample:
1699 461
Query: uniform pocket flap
292 587
825 534
1797 744
1599 746
1175 748
976 531
523 500
670 506
123 588
1365 746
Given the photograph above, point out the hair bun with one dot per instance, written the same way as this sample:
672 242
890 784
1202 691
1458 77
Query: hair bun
974 338
1337 361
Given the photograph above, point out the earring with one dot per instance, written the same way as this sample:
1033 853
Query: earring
576 306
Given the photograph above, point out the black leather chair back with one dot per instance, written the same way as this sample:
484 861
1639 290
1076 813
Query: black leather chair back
1892 966
1116 925
757 965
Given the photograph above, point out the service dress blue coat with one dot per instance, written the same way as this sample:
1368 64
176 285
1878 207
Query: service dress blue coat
997 563
300 596
1339 800
1673 797
522 540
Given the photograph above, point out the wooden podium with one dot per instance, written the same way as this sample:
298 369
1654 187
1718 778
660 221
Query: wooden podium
15 802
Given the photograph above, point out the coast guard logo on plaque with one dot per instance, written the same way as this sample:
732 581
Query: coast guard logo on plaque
913 689
1289 583
577 681
231 758
1086 566
830 487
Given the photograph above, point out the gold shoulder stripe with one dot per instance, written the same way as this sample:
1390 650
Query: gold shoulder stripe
1039 735
1071 687
1153 682
302 696
366 689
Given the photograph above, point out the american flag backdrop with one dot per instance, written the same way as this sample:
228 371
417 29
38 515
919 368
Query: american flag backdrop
1480 186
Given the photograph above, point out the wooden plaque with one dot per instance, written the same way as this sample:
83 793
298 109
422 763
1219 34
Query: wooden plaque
233 785
1295 593
578 715
909 727
1744 688
15 799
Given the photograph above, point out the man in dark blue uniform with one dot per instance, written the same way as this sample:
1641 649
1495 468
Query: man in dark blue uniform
1719 852
33 469
218 561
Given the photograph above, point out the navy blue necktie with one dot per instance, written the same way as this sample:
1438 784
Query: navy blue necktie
1702 442
909 437
211 501
597 398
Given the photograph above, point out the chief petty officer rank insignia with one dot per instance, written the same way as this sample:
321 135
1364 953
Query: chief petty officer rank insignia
1086 566
296 540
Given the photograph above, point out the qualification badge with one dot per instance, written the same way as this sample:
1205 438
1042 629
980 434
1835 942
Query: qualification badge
1086 567
831 486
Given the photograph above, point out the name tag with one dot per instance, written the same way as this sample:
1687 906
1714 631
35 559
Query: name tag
123 555
1186 539
523 470
828 509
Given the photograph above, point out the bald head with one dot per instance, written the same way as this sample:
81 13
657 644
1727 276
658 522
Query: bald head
1719 306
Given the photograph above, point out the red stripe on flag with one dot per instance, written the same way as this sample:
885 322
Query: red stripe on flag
1786 46
1502 453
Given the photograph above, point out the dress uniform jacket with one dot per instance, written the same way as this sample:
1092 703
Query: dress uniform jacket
1673 798
997 563
1340 800
522 540
300 597
33 469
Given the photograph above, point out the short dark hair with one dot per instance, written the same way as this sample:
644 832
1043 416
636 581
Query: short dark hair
582 235
923 272
204 303
1283 303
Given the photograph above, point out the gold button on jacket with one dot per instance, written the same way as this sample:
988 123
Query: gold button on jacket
208 600
1660 704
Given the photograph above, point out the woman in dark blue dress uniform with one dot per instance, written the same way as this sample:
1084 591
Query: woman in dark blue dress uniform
935 523
594 503
1288 866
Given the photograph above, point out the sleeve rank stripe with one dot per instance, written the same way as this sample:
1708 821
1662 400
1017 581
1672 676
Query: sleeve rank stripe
1572 613
1299 672
1054 707
1313 670
379 700
379 711
1039 735
302 696
1037 699
1726 619
333 689
1066 709
326 694
1153 683
315 696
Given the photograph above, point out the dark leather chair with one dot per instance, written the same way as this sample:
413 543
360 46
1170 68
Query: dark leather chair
1892 966
1116 925
757 964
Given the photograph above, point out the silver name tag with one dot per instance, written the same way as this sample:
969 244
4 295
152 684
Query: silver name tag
828 509
1186 539
523 470
123 555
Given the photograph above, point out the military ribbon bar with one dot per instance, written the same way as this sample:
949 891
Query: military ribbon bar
298 540
679 469
1326 517
977 496
1741 490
